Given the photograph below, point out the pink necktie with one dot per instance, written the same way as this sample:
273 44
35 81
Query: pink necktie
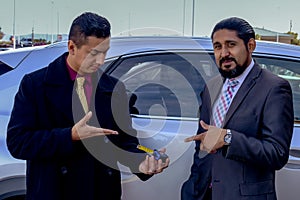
223 104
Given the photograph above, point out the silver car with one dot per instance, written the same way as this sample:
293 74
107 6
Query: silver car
163 77
26 42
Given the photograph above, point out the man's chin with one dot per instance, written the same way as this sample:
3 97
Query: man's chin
93 69
232 73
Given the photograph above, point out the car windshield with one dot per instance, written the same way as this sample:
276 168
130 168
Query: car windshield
289 70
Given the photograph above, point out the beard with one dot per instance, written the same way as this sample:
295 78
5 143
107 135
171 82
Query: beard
238 70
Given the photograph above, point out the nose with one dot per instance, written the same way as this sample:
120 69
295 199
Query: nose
100 59
224 52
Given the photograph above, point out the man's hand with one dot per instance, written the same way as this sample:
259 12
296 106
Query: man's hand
211 140
151 166
82 130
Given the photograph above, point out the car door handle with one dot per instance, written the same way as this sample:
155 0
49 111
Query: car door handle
292 166
294 161
295 152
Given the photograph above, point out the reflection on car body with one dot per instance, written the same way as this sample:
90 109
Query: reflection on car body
164 77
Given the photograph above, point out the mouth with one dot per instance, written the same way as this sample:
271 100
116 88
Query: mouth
227 63
95 67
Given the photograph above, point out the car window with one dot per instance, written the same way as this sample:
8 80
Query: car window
289 70
4 68
165 84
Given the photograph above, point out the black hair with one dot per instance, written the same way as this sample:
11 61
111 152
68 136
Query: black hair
88 24
243 29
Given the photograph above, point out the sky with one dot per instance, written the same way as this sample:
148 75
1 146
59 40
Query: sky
171 17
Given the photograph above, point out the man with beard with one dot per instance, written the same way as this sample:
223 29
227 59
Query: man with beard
245 124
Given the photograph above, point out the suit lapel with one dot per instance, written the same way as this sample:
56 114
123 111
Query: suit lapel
59 87
242 93
214 87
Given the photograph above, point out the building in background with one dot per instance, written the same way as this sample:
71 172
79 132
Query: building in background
268 35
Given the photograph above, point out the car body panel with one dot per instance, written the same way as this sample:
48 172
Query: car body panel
157 127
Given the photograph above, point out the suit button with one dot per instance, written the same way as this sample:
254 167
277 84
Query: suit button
64 170
106 140
109 172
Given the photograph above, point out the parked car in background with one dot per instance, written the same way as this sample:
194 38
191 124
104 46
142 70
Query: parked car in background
163 77
26 42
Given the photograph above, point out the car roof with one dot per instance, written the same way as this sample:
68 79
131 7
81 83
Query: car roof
277 49
126 45
13 57
131 45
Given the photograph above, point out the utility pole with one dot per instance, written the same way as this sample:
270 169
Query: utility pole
183 16
52 7
14 25
57 25
32 35
193 17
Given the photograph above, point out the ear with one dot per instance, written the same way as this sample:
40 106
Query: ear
71 47
251 45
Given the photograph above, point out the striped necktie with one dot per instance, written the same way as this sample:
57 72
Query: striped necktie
81 93
224 102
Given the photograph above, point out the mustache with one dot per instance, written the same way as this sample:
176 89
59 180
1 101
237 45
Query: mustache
227 59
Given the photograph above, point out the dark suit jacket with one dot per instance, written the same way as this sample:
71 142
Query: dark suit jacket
39 131
261 120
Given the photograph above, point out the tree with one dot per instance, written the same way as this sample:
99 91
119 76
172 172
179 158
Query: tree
257 37
1 34
294 40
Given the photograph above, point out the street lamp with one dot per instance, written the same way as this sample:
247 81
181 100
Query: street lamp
14 25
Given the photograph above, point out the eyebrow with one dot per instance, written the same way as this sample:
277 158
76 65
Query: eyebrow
96 51
226 42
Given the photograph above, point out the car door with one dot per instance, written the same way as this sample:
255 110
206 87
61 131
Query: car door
288 177
13 66
164 97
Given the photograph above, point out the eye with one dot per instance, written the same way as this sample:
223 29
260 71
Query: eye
231 44
94 52
217 46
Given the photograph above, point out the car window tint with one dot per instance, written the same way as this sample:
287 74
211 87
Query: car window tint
165 84
4 68
289 70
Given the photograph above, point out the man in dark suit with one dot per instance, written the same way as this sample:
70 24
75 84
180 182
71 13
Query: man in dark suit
71 140
245 125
